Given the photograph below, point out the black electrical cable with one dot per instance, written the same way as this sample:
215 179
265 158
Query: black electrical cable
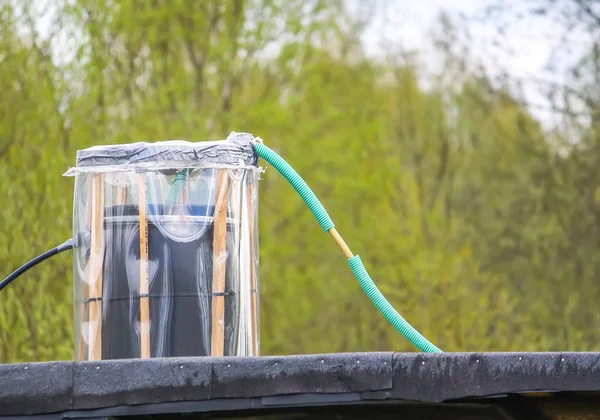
48 254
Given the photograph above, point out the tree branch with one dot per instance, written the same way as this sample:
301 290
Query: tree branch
587 9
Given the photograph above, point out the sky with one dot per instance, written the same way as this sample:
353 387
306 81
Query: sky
409 22
525 51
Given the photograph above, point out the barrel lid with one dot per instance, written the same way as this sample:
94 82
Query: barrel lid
236 151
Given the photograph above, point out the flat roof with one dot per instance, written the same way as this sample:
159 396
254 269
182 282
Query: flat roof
453 385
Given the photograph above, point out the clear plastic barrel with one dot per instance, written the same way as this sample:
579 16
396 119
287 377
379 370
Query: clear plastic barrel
167 263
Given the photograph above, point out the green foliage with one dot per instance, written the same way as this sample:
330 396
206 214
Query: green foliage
468 219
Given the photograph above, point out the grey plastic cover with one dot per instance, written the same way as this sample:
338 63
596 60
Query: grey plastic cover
236 151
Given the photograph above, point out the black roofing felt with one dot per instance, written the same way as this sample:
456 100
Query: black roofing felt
204 384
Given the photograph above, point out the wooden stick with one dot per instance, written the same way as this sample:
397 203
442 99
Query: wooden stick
84 321
341 243
144 287
95 269
86 288
253 289
219 266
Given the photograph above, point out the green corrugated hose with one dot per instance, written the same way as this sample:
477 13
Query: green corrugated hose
177 186
355 262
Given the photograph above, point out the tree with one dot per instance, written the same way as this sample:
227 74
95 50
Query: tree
463 210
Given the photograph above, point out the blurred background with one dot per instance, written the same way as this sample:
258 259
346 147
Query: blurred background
456 144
